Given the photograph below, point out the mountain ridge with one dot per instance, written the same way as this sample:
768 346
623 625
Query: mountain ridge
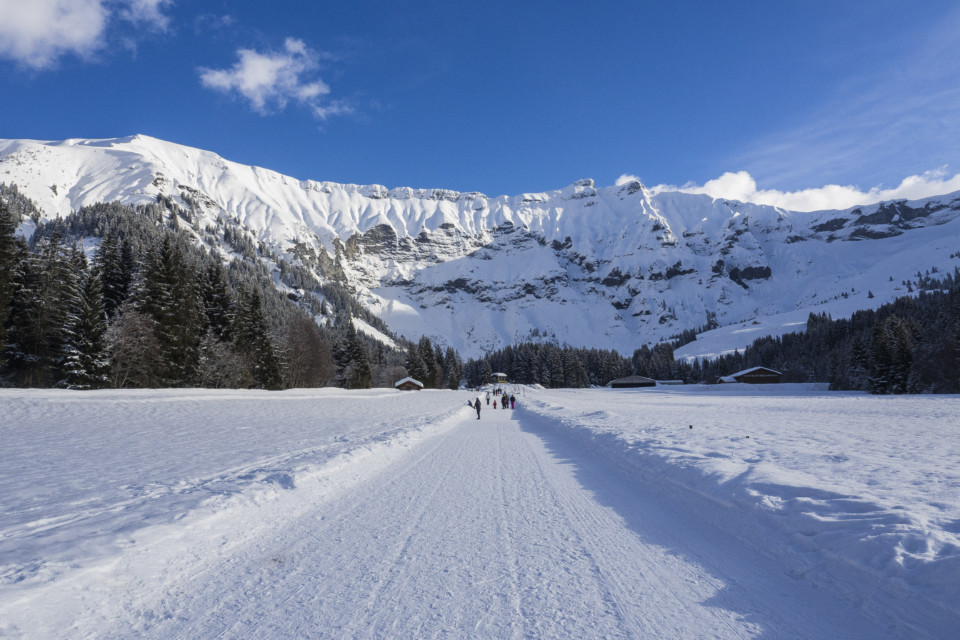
611 267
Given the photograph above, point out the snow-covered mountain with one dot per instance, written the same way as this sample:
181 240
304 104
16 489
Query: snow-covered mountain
611 267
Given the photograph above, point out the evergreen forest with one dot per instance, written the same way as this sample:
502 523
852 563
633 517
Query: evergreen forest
113 296
911 345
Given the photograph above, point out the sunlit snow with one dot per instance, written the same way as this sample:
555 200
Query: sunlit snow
782 511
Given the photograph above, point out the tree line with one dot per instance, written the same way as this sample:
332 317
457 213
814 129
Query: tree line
548 364
158 306
911 345
153 307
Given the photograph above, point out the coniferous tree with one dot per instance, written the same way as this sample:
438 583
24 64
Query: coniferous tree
253 341
361 377
485 372
10 257
44 289
416 368
217 301
169 294
86 360
114 261
352 362
341 362
574 371
453 366
428 358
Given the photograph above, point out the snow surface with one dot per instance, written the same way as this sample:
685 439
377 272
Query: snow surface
784 512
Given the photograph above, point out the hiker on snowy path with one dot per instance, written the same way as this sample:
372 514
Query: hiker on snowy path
477 405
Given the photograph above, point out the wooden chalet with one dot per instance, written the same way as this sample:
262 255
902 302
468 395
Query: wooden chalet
408 384
754 375
631 382
498 378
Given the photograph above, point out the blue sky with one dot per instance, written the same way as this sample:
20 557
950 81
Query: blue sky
750 97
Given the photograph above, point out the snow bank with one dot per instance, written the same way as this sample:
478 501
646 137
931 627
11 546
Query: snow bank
854 493
85 474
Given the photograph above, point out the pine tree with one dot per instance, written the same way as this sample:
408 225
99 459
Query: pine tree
253 341
574 371
890 356
453 366
114 261
45 286
361 378
10 257
217 302
554 363
341 361
86 361
170 296
486 371
416 368
352 362
427 356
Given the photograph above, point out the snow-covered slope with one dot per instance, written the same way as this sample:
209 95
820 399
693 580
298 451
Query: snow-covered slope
610 267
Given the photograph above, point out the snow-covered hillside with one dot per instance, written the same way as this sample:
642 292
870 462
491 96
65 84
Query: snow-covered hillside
609 267
727 511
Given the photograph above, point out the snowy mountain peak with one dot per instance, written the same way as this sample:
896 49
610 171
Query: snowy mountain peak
610 267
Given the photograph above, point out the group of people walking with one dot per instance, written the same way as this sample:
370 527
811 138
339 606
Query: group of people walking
507 401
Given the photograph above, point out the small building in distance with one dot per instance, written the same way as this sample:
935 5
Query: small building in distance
498 378
408 384
631 382
754 375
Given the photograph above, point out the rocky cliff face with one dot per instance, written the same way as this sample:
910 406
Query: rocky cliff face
608 267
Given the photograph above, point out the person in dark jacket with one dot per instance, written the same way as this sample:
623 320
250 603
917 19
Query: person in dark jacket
477 407
513 401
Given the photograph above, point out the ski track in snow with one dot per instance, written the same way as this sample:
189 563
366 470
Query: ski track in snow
378 515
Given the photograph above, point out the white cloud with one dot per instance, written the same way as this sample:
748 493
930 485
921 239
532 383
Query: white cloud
333 108
271 80
147 13
36 33
741 186
627 178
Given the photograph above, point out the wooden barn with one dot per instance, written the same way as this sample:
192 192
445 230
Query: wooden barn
755 375
631 382
408 384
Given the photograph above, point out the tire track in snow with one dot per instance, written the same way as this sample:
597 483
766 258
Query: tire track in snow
510 545
424 503
657 584
692 570
493 529
576 520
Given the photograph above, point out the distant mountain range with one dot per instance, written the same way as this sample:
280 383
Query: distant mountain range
612 267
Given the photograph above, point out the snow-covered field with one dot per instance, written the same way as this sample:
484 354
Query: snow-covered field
784 512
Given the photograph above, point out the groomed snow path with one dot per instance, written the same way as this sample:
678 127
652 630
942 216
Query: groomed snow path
488 529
